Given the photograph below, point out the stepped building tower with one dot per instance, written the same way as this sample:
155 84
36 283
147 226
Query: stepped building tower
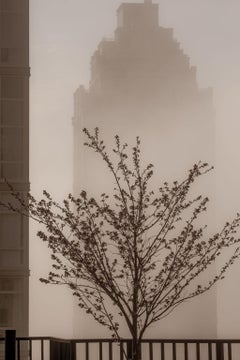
142 83
14 163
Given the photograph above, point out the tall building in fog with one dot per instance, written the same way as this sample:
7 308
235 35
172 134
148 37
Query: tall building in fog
142 83
14 162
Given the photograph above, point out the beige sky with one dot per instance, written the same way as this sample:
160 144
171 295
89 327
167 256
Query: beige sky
64 35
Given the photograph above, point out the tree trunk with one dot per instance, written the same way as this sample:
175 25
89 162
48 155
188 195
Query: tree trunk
134 350
136 353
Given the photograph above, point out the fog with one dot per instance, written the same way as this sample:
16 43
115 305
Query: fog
64 35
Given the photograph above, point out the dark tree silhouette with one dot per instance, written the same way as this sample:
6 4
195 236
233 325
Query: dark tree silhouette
142 250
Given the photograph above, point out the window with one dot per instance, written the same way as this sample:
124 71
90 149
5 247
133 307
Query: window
13 29
11 258
10 231
10 286
11 171
6 306
11 113
11 5
11 88
5 197
4 55
11 128
13 56
11 250
11 144
4 317
6 285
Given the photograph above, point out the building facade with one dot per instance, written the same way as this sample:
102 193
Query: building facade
14 162
142 83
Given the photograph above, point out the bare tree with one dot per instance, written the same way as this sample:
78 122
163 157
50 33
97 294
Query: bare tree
142 250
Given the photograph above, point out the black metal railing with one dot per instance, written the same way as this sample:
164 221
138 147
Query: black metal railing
49 348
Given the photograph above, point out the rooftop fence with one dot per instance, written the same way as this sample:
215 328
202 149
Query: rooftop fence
49 348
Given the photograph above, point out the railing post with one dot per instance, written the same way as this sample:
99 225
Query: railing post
10 344
129 350
219 351
73 350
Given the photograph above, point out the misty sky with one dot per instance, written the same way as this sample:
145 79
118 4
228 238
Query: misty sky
64 35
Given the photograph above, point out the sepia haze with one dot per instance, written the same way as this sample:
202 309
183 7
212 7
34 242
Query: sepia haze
143 84
63 39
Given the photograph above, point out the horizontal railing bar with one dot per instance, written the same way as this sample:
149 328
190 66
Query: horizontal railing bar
182 341
157 341
60 340
26 338
124 340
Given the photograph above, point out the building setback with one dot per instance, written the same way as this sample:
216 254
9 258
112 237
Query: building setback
14 162
142 83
